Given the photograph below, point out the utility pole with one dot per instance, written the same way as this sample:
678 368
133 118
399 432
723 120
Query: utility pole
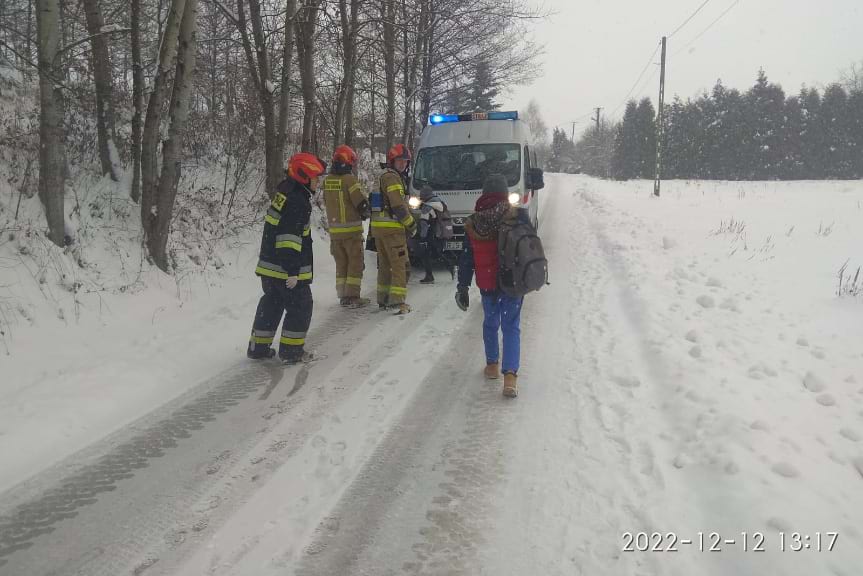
598 108
660 124
572 138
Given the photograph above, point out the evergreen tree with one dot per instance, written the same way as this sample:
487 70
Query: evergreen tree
758 135
645 129
484 89
835 122
594 150
812 136
562 152
681 131
766 118
793 166
625 162
855 130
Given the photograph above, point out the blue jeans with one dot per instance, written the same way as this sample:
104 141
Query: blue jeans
502 312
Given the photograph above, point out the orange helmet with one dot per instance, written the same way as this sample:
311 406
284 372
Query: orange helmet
344 154
396 152
303 166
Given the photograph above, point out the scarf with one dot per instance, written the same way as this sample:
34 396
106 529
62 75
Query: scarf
491 211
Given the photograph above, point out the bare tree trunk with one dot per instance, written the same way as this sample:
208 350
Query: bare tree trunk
287 57
259 62
349 106
306 50
427 68
341 95
349 25
150 138
214 62
172 147
412 62
52 147
29 52
388 15
137 99
373 126
104 88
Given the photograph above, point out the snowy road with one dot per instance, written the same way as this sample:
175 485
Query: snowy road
393 456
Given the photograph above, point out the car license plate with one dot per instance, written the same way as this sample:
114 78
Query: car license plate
453 246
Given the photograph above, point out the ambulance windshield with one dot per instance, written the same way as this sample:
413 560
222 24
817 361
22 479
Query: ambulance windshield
466 167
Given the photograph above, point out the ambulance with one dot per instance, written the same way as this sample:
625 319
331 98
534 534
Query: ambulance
457 151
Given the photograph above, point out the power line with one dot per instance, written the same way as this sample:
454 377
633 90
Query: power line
691 16
647 81
712 24
640 76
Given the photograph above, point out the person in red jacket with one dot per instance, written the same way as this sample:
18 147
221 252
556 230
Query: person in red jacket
480 255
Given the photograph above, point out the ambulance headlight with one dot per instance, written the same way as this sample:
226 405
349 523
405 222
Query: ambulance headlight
414 202
514 199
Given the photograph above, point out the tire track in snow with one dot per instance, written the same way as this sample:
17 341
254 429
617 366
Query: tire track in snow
421 503
158 467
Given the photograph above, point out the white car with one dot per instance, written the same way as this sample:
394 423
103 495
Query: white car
457 151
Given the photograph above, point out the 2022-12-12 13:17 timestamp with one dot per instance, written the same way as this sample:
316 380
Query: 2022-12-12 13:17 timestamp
742 541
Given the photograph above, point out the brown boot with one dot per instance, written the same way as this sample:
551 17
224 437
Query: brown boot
402 309
492 371
510 385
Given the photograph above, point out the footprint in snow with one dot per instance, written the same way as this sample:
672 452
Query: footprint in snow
779 524
692 336
818 353
319 442
826 399
760 425
850 434
785 470
695 351
761 371
706 301
714 282
627 382
803 342
813 383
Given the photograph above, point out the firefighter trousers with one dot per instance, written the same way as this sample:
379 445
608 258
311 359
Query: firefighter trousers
392 269
296 307
348 253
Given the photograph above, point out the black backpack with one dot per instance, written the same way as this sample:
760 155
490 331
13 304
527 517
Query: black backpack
523 265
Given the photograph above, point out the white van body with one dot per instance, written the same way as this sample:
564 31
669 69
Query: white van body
455 156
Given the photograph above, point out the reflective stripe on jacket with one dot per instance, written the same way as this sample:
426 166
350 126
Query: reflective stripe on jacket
286 243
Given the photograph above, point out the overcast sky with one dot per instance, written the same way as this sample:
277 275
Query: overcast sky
595 50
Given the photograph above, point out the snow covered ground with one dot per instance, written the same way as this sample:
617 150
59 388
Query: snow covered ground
689 369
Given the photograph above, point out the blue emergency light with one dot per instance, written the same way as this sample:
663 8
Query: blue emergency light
444 118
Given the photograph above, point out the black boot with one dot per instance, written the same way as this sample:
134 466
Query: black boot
257 353
427 264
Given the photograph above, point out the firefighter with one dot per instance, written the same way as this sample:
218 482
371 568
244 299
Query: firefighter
346 207
285 265
390 225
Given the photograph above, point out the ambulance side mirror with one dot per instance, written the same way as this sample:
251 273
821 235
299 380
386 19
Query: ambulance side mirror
535 180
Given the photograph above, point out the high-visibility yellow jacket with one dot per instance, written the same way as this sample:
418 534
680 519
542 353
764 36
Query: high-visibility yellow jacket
390 213
346 206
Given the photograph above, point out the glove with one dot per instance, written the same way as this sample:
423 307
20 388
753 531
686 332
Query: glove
291 282
462 298
413 229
